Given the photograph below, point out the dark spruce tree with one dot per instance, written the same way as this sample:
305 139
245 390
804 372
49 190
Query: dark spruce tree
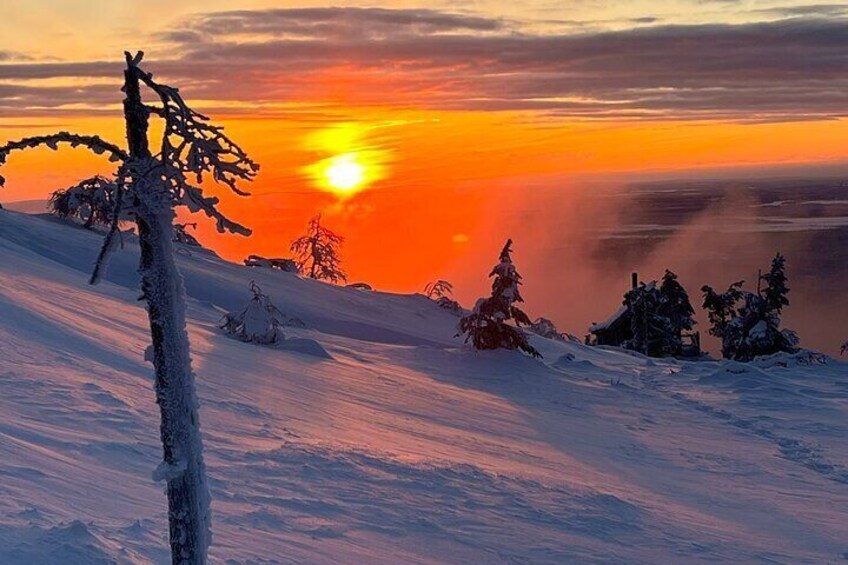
776 291
677 309
486 327
652 332
659 314
317 253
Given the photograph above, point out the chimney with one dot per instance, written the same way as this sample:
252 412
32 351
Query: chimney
634 280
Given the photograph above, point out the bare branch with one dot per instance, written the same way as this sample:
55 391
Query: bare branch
92 142
195 146
195 201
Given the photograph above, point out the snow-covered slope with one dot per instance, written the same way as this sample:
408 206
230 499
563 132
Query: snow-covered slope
404 446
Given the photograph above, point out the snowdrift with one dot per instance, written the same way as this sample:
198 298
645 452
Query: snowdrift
386 440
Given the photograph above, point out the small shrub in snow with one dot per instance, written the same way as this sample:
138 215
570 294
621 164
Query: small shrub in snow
748 323
487 326
438 289
449 304
92 201
286 265
258 322
317 253
546 328
181 234
440 292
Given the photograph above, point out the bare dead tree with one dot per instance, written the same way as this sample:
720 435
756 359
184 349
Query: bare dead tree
149 186
317 252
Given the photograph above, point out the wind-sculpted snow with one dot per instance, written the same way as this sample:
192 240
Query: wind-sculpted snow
371 435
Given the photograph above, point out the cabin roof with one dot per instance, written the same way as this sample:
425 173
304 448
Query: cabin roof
611 321
618 316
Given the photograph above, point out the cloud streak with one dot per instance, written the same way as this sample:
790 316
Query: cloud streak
790 69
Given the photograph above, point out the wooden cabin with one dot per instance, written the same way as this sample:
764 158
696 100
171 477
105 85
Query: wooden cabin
617 329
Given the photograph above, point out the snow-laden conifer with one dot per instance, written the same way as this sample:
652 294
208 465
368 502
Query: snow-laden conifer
258 322
317 253
486 327
748 323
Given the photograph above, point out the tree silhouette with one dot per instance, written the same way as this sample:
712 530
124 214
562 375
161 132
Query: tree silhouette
149 186
317 253
776 289
438 289
486 326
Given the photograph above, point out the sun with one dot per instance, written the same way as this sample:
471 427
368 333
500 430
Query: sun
348 161
344 173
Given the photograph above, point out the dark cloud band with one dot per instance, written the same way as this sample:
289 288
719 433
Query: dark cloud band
795 67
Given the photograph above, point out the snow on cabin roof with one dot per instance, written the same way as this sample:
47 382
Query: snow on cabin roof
622 310
617 315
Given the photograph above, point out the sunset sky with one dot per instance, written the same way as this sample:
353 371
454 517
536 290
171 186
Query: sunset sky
413 126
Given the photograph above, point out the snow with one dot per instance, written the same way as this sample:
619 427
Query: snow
381 438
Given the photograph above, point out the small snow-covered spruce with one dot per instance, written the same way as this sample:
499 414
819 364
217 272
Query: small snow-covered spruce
181 234
748 323
440 292
149 185
317 253
92 201
486 327
258 322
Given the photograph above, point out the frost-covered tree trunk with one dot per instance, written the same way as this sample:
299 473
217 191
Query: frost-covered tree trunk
191 147
163 291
